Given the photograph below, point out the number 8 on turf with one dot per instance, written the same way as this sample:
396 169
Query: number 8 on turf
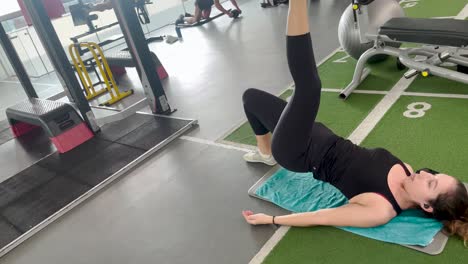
417 110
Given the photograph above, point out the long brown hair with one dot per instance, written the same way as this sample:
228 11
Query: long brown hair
452 209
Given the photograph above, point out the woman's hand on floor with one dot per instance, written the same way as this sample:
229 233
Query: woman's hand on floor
257 219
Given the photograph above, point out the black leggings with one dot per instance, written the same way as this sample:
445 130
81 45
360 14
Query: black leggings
298 141
204 4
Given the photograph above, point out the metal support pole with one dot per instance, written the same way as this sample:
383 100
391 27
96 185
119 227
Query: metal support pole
16 63
50 41
141 54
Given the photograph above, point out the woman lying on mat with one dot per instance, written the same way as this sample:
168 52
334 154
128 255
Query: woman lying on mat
378 185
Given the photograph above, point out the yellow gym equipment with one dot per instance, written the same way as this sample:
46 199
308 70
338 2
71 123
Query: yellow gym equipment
100 61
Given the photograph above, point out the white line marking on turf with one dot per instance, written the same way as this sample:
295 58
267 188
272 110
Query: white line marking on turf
269 245
368 124
444 17
370 92
423 94
457 96
463 14
211 143
334 90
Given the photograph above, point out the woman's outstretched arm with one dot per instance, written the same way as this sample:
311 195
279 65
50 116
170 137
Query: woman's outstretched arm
352 214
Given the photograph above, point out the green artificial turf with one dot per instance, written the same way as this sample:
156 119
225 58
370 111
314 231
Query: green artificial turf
432 8
337 72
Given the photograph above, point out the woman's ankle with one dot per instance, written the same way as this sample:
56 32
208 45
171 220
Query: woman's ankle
263 153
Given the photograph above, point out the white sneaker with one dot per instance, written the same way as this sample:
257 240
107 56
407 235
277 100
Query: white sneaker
256 156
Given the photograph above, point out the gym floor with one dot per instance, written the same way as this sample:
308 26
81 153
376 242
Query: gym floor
183 204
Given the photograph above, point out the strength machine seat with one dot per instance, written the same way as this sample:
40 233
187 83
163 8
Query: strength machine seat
444 32
59 120
124 59
121 58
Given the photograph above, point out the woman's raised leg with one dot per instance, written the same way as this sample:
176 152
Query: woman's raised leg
293 133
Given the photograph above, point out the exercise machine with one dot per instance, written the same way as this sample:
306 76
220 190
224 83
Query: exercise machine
80 12
378 27
107 84
81 15
117 60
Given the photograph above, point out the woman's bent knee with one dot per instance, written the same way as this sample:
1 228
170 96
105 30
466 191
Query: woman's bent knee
250 96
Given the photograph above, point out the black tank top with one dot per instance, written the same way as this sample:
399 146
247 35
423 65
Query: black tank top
355 170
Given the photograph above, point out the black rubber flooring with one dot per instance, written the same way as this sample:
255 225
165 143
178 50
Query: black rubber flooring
34 194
